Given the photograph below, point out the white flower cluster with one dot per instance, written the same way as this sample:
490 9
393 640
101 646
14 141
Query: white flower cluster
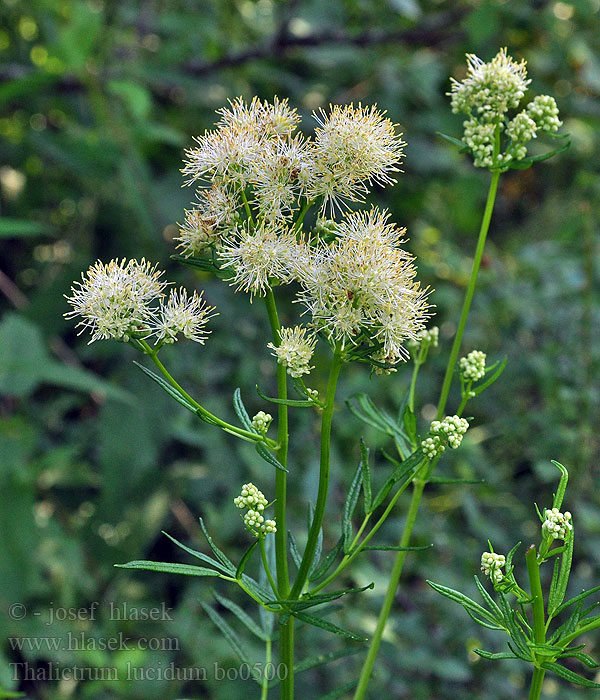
429 335
472 366
261 421
486 95
491 565
124 299
557 525
362 286
450 430
544 112
253 499
295 350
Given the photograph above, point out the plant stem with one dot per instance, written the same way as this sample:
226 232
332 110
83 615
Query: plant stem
317 521
265 561
265 681
535 689
419 484
240 432
286 631
483 231
365 675
539 622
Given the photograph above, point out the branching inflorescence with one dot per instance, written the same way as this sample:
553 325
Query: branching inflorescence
256 179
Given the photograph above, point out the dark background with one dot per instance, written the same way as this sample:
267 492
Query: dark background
98 100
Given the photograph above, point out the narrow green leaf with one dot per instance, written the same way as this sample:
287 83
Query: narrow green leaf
393 548
242 616
267 618
230 635
370 414
328 626
322 659
463 600
482 623
366 477
257 589
568 675
240 410
490 655
350 506
168 568
296 556
488 600
557 594
269 457
327 562
515 630
245 558
319 545
576 599
285 402
490 380
409 421
221 556
203 264
584 658
199 555
163 384
21 228
455 142
309 601
407 467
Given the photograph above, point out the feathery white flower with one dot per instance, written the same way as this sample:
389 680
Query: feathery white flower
209 222
258 255
182 314
114 299
353 147
295 350
363 282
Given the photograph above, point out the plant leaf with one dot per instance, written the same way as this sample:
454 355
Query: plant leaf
455 142
285 402
490 655
408 466
221 556
576 599
328 626
232 638
327 563
450 480
169 568
366 477
568 675
490 380
199 555
350 506
242 616
296 556
463 600
269 457
245 558
240 410
393 548
338 692
163 384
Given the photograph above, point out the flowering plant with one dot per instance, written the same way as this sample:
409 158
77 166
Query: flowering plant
257 179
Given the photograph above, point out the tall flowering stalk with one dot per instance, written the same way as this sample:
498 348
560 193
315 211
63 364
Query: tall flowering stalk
256 180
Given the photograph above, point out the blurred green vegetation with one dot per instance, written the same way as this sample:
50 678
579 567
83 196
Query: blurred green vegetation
97 101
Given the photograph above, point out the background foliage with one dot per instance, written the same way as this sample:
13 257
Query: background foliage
98 99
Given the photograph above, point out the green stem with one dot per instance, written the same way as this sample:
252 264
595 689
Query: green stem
535 690
319 514
298 223
367 669
265 680
286 631
419 485
349 558
240 432
413 384
483 231
539 622
265 561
